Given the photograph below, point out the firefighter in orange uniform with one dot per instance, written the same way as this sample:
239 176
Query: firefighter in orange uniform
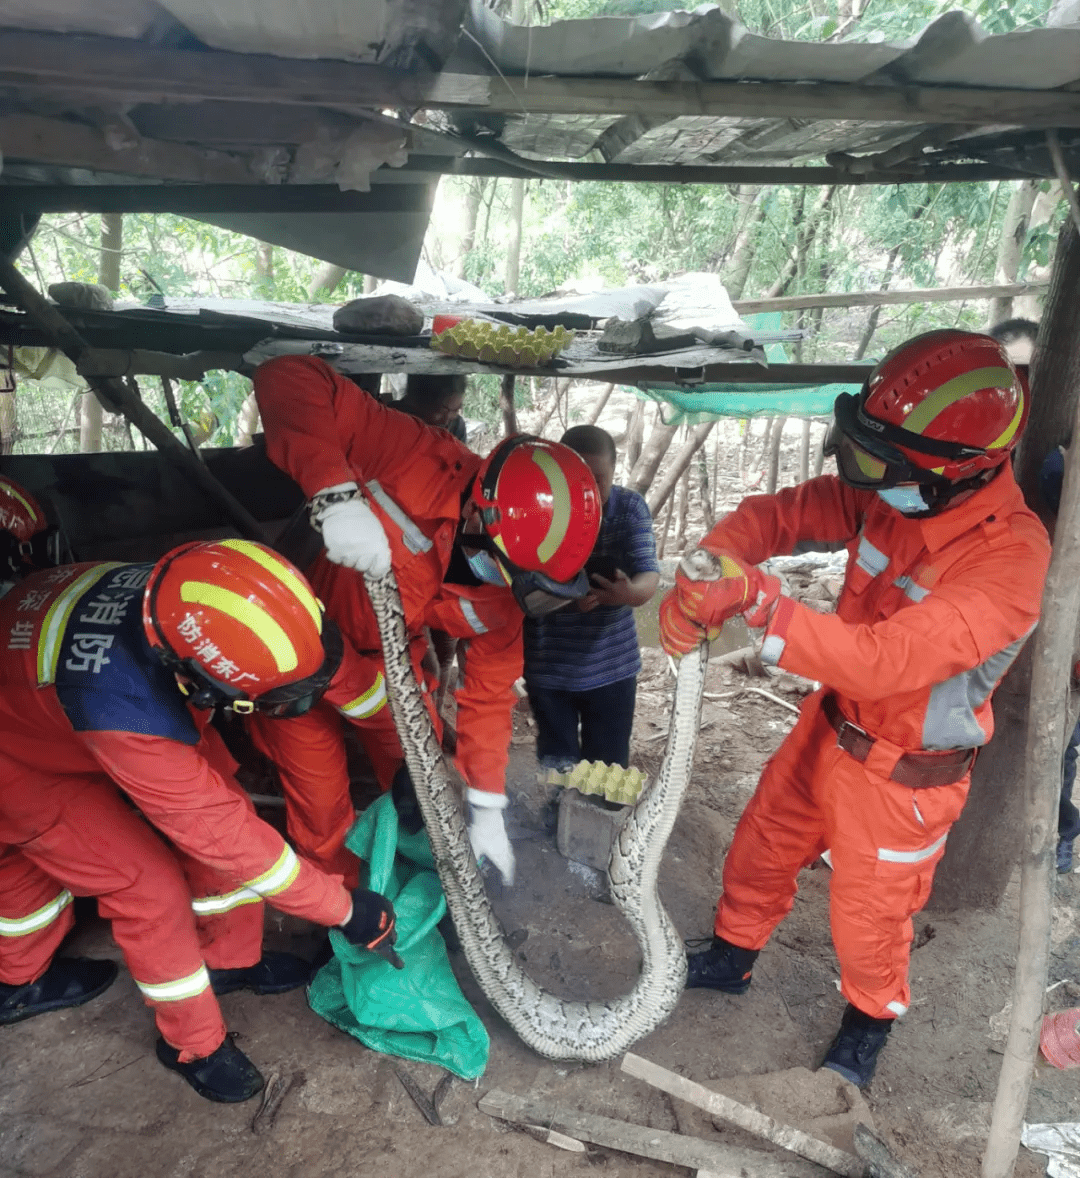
943 587
474 544
109 675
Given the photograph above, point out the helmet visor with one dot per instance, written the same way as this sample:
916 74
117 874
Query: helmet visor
294 699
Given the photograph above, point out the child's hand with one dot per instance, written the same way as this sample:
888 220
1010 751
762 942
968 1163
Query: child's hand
616 591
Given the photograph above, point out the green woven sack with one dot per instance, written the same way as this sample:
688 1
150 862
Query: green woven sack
417 1012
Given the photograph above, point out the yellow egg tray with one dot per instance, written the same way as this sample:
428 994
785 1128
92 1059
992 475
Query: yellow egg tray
611 782
498 343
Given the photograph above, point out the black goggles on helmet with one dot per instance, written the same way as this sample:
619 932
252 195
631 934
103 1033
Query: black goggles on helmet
280 703
536 593
867 451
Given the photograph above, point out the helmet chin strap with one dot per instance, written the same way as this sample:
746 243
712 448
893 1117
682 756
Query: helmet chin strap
941 494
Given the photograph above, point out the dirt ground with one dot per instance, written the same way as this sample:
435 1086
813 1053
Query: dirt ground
82 1095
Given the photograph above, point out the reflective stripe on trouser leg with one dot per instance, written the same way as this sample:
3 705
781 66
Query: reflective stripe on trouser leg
781 830
91 842
187 1013
35 916
886 842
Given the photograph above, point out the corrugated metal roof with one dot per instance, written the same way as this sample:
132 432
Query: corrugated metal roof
953 50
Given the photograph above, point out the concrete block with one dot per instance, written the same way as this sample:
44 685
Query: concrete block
587 828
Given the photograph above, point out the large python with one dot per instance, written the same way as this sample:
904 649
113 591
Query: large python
553 1028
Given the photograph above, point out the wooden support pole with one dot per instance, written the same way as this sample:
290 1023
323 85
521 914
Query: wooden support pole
786 1136
506 404
880 298
1050 673
601 401
678 465
660 1144
118 398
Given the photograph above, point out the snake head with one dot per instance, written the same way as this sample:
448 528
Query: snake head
701 565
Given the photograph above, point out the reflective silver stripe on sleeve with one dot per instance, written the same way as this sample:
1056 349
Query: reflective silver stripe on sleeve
889 856
175 991
415 540
471 616
911 588
19 926
950 711
870 559
369 703
277 879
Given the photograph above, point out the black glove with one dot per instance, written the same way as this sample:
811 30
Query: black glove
403 793
373 925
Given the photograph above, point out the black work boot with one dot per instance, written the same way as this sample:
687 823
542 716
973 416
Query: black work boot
69 981
273 973
723 966
858 1043
225 1075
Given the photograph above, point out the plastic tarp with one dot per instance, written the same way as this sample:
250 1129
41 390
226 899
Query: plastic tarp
418 1012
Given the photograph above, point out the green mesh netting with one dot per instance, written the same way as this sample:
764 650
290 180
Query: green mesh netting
762 399
417 1012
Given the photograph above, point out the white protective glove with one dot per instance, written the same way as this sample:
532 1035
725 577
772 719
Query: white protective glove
350 530
487 831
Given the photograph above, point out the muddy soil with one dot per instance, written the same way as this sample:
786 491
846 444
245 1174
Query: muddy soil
82 1095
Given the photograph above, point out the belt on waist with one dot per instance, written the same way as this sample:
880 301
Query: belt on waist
915 770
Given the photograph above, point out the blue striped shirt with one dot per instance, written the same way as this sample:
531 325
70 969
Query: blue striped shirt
573 651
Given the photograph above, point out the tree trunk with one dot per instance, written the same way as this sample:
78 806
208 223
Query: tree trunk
875 311
513 246
558 388
112 240
264 262
9 419
678 465
325 281
705 492
984 844
683 509
652 454
1013 235
473 199
804 451
742 255
1029 306
804 241
598 408
370 283
247 421
506 404
774 456
667 527
819 456
766 442
635 433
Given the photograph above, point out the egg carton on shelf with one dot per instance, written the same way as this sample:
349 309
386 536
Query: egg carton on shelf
499 343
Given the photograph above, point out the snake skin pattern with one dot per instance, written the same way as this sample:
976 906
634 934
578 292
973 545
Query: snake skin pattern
553 1028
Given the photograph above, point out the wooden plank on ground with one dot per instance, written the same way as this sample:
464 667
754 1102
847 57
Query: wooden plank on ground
750 1119
725 1161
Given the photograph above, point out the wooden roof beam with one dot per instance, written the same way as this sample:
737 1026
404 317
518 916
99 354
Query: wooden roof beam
103 67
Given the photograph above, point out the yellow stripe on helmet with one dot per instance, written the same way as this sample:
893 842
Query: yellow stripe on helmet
1007 435
10 489
954 390
283 573
560 503
248 614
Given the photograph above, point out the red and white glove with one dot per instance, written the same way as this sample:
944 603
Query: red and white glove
351 533
711 587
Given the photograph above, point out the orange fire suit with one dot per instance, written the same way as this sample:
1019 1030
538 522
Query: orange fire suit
323 430
932 614
86 707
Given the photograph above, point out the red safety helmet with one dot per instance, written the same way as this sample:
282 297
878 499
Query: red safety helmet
27 540
243 625
943 410
541 510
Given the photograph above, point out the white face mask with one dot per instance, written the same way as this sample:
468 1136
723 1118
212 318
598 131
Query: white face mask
485 568
906 500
